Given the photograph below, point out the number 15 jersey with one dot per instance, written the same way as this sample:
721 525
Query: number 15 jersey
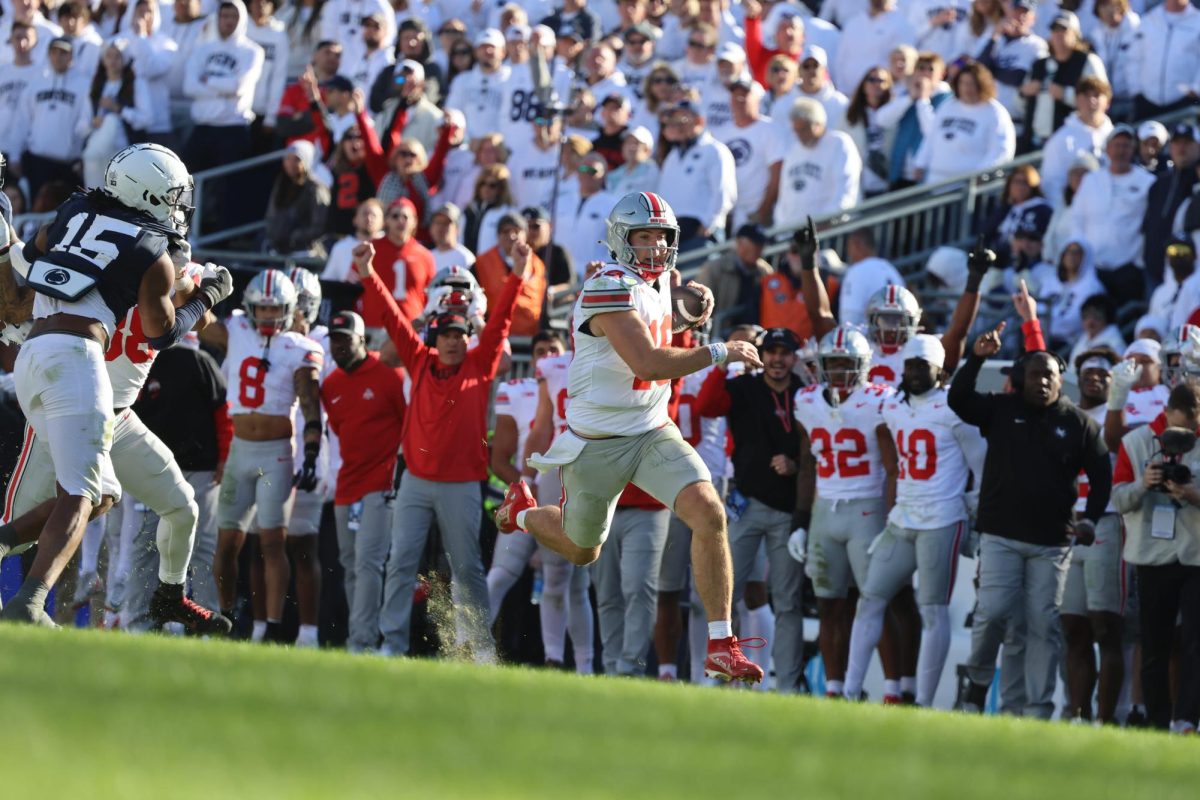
843 440
606 398
261 375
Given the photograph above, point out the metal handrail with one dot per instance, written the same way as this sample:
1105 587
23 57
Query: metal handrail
196 235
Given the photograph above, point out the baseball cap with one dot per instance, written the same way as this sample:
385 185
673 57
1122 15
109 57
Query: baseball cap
303 150
1143 347
620 99
535 214
403 202
449 211
1085 161
414 68
451 322
489 36
517 33
63 43
511 218
743 80
1066 19
1151 322
1122 130
340 83
779 337
644 28
814 53
1032 225
925 347
642 134
1183 130
1152 130
569 30
754 233
731 51
347 322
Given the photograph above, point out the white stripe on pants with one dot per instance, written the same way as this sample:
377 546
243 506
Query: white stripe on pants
626 579
363 555
456 507
1015 575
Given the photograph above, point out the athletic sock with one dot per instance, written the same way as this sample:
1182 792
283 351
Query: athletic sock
258 631
8 539
892 688
834 687
720 630
28 603
668 671
307 635
908 685
521 518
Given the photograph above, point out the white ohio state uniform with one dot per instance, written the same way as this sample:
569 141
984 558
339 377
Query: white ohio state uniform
306 510
1144 405
607 399
518 399
260 372
848 510
885 368
554 371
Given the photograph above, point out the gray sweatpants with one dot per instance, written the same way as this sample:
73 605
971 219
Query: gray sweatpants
456 509
626 580
785 579
363 554
141 579
1017 575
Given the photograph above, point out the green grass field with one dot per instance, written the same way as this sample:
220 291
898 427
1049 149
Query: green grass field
86 714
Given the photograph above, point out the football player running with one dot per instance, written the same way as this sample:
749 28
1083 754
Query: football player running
840 415
618 429
105 253
929 452
269 369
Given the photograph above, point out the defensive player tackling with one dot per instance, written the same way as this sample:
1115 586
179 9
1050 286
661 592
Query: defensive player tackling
618 429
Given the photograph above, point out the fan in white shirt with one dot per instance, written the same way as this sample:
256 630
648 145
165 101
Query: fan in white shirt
447 250
757 145
821 169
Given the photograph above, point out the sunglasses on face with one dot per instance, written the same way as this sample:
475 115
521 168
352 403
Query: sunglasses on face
661 79
700 45
875 79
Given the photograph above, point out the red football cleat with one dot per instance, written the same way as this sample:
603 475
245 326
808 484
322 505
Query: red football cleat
893 700
726 662
516 500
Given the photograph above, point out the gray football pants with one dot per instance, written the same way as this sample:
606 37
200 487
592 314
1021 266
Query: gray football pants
785 579
141 578
456 507
626 580
1017 575
363 554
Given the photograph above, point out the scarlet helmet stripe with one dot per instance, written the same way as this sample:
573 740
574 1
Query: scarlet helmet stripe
654 203
267 288
891 294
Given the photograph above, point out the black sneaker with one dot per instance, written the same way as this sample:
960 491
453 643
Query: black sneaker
169 605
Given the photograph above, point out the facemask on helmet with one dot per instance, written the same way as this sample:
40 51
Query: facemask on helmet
270 302
308 293
893 316
643 211
843 358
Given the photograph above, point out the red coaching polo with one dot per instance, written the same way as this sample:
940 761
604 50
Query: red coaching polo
445 429
366 411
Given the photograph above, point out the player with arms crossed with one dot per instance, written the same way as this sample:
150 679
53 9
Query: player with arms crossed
929 452
618 428
269 369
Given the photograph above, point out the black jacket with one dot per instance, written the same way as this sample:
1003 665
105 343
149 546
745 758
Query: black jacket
180 403
763 428
1033 461
1174 185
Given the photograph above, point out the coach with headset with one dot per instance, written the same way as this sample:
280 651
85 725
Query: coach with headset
1038 442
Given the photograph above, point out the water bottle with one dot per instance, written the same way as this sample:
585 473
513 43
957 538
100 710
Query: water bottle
356 511
535 597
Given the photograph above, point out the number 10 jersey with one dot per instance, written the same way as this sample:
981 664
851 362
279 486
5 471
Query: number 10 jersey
260 372
606 398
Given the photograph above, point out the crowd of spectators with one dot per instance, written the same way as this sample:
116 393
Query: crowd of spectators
416 127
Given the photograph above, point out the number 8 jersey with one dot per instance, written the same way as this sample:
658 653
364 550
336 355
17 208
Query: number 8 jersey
260 375
606 398
843 440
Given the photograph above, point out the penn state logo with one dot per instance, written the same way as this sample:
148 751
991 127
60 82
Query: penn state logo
740 149
57 277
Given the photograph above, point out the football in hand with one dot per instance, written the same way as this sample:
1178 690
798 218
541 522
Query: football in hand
687 308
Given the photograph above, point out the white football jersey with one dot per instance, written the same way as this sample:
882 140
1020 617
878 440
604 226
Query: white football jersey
1144 405
130 356
706 434
933 466
1084 485
518 399
607 399
843 440
260 372
885 368
554 370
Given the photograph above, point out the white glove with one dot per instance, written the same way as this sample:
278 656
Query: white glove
1124 376
15 334
181 256
797 543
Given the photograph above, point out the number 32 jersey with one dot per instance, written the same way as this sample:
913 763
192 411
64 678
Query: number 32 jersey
260 376
606 398
843 440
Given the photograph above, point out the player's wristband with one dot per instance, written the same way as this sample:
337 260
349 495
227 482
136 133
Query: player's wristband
718 352
311 450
